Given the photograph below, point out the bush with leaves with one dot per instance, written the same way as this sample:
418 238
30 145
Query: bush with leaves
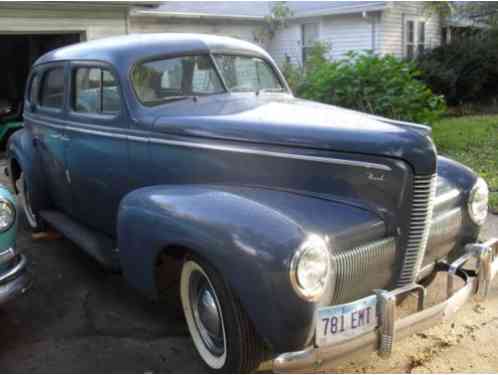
465 71
384 86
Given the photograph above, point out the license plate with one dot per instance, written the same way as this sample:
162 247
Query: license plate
342 322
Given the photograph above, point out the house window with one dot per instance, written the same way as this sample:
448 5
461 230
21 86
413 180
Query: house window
415 37
309 37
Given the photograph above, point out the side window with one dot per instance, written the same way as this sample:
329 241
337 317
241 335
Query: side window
87 90
110 93
34 88
95 90
52 90
205 81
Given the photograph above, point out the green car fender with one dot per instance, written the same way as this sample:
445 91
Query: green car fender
7 129
8 237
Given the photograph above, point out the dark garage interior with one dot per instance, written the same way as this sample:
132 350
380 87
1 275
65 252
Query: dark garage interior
17 54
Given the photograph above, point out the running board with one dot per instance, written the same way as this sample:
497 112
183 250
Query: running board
94 244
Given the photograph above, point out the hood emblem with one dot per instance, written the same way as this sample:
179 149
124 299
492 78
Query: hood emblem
376 177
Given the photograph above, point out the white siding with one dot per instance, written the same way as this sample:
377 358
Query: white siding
91 23
286 43
393 19
244 31
343 33
349 33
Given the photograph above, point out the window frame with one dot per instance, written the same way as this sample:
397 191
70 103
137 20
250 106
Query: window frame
415 44
285 89
304 45
87 64
43 73
213 61
169 57
30 98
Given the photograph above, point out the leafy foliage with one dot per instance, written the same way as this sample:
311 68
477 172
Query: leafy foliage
278 19
384 86
465 70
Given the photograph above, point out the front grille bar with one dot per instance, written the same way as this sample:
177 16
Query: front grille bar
424 190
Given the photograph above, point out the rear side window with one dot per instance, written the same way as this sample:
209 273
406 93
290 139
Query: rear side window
52 91
95 90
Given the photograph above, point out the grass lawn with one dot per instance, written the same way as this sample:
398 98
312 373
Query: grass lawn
472 140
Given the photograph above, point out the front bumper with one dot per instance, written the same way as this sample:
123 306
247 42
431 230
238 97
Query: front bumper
15 280
475 281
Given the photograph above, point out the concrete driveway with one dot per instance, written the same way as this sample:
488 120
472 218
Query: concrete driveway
78 318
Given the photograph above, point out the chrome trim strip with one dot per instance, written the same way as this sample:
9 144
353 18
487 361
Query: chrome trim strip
218 147
14 270
18 283
7 255
97 132
285 155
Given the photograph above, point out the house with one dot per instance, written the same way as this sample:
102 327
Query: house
385 27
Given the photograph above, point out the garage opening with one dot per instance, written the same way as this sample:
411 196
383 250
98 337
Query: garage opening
17 54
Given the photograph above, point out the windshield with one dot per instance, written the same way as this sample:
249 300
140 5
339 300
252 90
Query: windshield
247 73
160 81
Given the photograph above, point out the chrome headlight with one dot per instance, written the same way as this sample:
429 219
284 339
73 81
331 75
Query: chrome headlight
310 268
7 214
478 202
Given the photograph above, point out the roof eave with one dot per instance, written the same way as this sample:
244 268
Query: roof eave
191 15
346 10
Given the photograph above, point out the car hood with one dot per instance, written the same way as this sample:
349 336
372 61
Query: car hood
288 121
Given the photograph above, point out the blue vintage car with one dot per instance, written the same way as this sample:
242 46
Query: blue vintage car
289 228
14 279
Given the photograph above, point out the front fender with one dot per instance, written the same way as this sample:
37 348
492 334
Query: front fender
247 242
456 173
248 234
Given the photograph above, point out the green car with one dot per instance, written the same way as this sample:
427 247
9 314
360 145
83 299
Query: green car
10 120
14 279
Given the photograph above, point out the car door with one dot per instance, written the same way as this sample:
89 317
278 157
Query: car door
46 117
97 153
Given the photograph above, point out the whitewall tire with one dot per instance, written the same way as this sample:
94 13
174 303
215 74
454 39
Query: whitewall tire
214 356
25 198
221 331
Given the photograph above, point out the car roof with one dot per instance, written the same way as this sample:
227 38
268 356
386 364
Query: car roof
135 47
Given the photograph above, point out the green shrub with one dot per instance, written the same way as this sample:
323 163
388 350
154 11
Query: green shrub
294 75
465 71
384 86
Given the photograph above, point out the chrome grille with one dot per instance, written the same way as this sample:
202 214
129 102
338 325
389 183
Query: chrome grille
361 269
424 190
446 227
445 235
